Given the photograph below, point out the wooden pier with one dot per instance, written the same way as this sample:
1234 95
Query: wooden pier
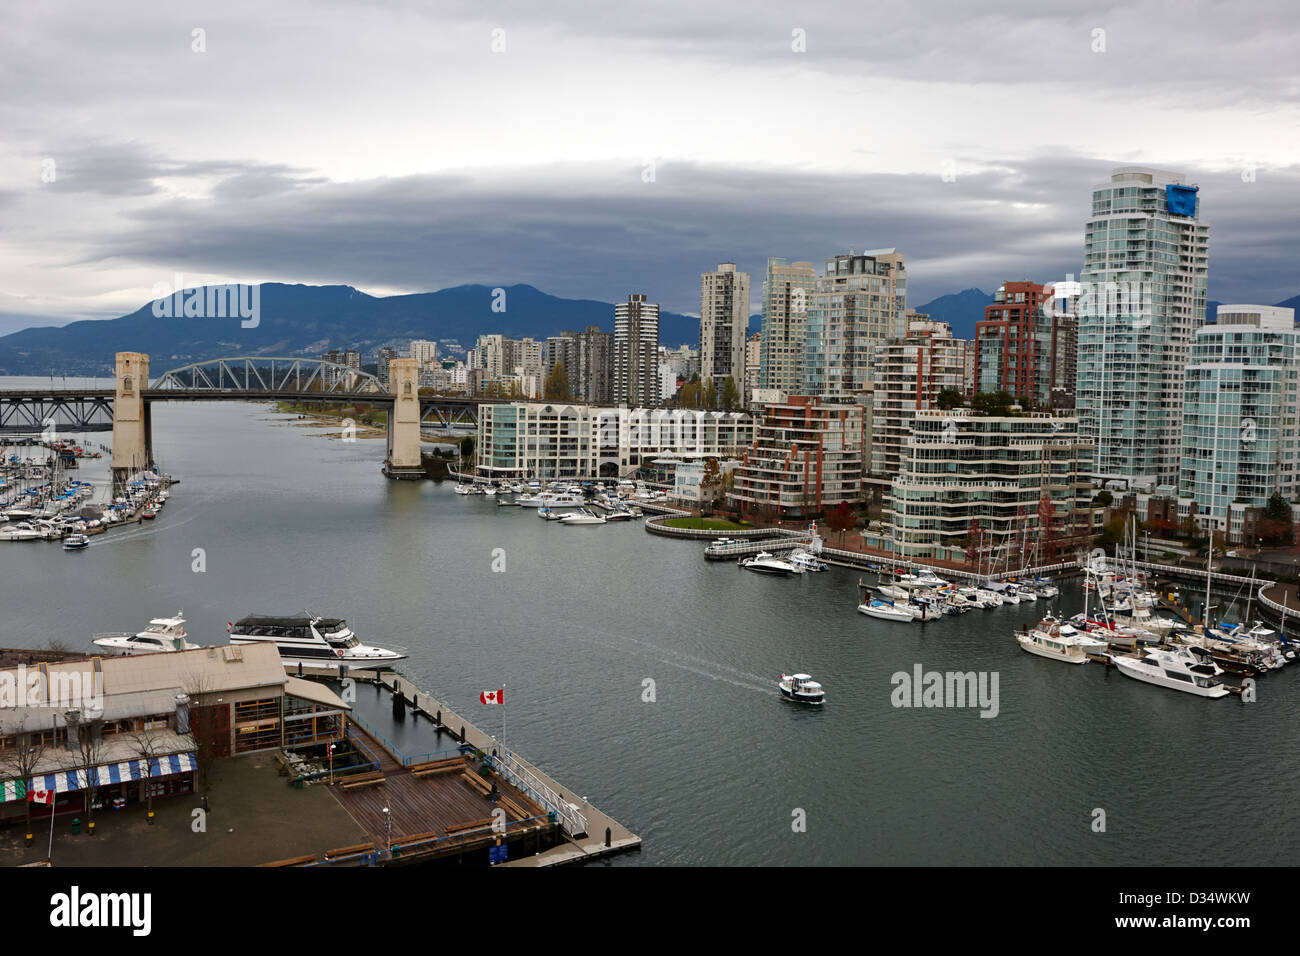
588 833
548 821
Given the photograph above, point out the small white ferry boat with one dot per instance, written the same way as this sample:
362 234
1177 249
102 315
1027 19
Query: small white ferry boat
801 688
322 641
162 634
76 542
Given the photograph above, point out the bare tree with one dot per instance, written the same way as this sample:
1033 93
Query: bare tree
22 761
201 733
148 746
87 741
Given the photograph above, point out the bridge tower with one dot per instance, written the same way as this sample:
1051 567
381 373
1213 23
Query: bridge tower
132 434
403 459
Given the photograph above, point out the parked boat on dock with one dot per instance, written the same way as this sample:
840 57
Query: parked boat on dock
1178 668
765 563
163 634
319 641
1057 640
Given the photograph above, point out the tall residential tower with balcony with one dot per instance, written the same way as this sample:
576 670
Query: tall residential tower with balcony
636 352
724 325
1240 408
859 302
787 291
1142 300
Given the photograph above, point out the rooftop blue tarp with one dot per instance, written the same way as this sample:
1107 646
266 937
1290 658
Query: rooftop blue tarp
1181 199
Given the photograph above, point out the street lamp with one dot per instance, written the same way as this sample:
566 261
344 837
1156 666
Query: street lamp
331 752
388 832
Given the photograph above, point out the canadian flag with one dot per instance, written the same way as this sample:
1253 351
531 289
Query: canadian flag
492 696
41 796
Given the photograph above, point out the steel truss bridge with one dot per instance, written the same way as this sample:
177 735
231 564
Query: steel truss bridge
242 378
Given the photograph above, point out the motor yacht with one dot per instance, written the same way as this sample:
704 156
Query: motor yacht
76 542
1057 640
319 641
801 688
805 561
582 516
162 634
765 563
1178 667
19 531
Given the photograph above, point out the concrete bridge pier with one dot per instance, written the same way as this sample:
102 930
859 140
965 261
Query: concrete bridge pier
403 459
132 434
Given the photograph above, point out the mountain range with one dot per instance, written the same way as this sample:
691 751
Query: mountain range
307 320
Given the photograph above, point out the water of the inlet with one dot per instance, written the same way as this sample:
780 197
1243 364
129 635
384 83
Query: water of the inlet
717 769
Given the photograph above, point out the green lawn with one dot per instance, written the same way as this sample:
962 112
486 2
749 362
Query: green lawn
705 524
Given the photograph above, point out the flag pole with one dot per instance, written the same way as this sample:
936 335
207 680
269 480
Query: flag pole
49 853
503 723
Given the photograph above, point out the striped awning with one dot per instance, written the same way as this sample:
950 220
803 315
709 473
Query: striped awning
65 781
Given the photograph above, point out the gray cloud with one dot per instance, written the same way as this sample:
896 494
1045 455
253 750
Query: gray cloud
600 231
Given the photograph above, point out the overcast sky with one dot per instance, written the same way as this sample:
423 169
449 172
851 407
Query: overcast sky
389 146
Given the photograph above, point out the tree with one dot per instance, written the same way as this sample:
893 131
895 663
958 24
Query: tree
841 518
949 398
557 385
467 448
709 395
1103 499
148 747
688 396
1274 527
88 744
992 403
730 394
710 482
22 761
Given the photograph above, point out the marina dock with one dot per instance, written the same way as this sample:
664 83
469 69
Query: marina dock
588 832
583 832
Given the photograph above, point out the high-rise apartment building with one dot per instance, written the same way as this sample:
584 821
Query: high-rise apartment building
636 352
910 373
587 363
382 357
424 352
724 325
1242 392
787 291
1142 298
859 302
753 355
1027 344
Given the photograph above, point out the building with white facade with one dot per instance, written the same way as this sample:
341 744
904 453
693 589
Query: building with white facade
553 440
996 492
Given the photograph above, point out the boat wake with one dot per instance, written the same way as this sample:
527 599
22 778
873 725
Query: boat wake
691 663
